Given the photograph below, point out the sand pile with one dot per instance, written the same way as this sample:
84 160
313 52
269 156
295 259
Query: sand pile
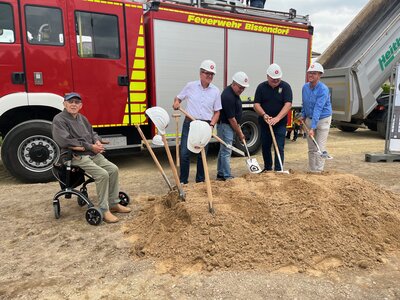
298 222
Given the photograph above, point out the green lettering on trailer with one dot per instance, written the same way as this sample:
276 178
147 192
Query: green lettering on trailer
390 54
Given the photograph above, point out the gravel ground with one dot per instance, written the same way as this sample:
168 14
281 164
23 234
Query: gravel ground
44 258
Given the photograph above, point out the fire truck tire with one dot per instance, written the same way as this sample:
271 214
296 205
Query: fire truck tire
28 151
251 131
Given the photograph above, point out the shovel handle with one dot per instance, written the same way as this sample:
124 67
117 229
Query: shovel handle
276 146
171 163
208 183
311 137
177 116
160 168
247 149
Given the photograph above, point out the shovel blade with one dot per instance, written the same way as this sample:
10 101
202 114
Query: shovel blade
253 166
325 155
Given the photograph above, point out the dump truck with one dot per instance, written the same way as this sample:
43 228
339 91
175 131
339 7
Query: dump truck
124 57
358 62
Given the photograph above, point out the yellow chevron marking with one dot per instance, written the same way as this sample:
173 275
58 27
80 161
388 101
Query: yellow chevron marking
139 52
138 75
137 86
138 97
136 106
139 64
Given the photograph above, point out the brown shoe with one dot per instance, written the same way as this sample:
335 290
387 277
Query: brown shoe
108 217
118 208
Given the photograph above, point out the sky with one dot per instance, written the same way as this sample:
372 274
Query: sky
328 17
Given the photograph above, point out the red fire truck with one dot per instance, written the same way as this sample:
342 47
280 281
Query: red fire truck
124 57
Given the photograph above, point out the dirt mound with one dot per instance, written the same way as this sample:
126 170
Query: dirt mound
293 223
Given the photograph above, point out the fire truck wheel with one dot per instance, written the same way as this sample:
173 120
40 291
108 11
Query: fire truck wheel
28 151
251 131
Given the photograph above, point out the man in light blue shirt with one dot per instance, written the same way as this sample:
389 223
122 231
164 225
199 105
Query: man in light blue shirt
203 103
317 114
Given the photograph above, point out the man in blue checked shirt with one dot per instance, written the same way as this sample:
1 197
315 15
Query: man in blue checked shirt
317 115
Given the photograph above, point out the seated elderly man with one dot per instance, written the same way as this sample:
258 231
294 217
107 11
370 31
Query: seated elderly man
72 130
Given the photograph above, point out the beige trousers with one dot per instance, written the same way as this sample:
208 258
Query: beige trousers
315 162
105 175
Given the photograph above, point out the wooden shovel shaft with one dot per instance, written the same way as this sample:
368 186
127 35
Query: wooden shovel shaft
171 163
207 175
160 168
276 146
177 141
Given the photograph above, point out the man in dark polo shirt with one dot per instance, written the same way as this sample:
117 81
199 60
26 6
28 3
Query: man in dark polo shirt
229 122
272 102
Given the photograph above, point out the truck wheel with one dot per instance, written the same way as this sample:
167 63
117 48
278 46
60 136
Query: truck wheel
346 128
251 131
28 151
381 126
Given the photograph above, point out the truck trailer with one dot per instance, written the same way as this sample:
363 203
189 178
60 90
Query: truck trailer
124 57
358 62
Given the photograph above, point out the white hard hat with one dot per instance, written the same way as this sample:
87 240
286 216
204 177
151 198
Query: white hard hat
316 67
199 135
274 71
159 117
209 66
241 78
157 140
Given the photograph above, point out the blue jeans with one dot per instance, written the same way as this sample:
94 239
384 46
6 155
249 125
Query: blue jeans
267 143
226 133
185 157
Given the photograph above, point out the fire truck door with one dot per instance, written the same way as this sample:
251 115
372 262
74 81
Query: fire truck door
12 77
98 56
46 49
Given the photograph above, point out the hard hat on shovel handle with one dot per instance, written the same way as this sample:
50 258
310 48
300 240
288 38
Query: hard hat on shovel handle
199 136
159 117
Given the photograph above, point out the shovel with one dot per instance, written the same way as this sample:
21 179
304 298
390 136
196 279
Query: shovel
154 157
322 154
160 118
251 163
277 149
238 151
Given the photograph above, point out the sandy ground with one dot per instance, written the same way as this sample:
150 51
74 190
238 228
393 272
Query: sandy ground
273 236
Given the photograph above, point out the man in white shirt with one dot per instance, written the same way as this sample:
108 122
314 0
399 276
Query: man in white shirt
203 103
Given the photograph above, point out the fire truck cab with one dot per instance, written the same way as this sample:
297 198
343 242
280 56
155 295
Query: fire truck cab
124 57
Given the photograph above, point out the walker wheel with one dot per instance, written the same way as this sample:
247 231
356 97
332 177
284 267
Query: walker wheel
57 208
80 200
123 198
94 216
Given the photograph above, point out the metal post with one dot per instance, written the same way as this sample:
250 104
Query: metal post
390 111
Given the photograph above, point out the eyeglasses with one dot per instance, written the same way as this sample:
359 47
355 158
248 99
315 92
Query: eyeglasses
74 101
241 88
208 73
313 73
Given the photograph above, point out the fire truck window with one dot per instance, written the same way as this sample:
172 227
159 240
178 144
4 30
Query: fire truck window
44 26
6 24
97 35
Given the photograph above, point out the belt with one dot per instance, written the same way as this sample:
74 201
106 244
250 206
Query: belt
189 120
